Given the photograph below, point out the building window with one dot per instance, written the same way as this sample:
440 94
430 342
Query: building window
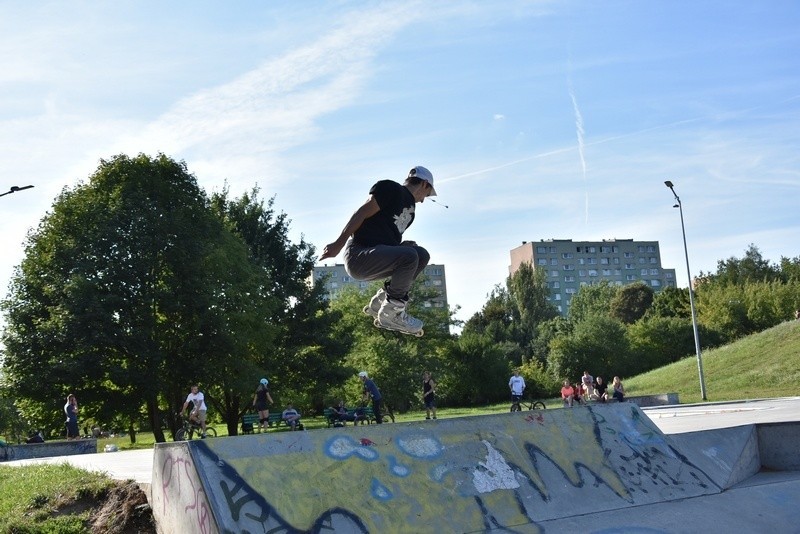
605 250
604 261
655 283
592 272
630 277
581 273
552 250
569 267
437 282
557 296
345 279
654 272
569 278
553 261
556 285
640 248
541 250
653 260
629 266
628 254
553 273
642 260
615 249
606 272
592 250
569 291
616 261
651 248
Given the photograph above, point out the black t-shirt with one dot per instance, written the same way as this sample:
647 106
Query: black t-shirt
600 388
397 213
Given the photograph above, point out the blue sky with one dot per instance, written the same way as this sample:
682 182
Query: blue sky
538 119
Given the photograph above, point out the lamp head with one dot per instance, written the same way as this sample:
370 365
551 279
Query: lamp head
668 184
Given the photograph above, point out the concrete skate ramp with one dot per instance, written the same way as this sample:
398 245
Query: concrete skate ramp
504 471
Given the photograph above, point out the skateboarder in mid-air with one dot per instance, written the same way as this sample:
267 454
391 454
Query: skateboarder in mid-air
374 249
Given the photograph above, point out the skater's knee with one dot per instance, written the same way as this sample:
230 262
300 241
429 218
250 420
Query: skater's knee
423 257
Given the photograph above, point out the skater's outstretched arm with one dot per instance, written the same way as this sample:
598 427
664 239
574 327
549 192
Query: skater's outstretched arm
367 210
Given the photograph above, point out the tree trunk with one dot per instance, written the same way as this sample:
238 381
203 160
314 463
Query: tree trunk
155 420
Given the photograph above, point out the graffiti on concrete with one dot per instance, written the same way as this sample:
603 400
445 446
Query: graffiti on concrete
498 472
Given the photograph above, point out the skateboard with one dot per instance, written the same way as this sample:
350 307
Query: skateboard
420 333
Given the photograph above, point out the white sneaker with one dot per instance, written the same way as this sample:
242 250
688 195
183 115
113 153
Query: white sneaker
393 316
374 307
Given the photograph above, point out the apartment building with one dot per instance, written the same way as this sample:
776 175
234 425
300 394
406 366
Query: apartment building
572 264
336 279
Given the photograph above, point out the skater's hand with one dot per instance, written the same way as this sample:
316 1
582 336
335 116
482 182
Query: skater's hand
331 250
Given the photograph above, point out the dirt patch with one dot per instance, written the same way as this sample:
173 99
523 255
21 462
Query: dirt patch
123 510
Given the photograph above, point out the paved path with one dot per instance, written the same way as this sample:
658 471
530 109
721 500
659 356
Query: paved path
138 464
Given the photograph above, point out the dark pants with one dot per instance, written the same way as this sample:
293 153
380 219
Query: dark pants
402 264
376 408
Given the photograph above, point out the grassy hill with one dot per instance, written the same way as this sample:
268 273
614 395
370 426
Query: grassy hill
762 365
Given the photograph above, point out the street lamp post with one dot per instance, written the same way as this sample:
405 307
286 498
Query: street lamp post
14 189
691 294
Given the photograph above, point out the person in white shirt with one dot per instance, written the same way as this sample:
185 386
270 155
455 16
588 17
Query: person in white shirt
198 413
517 386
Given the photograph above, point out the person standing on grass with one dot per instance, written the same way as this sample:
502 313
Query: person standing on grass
372 391
71 411
429 395
260 399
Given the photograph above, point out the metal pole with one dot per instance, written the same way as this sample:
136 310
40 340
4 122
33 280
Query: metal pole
691 296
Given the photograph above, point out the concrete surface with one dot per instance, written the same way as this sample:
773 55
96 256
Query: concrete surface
26 451
586 469
523 472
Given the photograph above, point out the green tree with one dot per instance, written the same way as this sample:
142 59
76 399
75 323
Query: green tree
750 268
592 300
671 302
529 303
597 344
302 360
395 361
631 302
130 289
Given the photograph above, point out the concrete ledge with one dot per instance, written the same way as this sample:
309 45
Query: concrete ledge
777 443
26 451
644 401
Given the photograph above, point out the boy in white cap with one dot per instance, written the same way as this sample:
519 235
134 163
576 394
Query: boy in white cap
374 249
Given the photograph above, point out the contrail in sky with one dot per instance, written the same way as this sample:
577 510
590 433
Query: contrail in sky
579 128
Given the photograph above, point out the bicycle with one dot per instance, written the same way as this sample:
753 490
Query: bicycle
190 428
518 403
386 412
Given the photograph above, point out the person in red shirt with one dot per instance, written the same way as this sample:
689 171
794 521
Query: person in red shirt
568 394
